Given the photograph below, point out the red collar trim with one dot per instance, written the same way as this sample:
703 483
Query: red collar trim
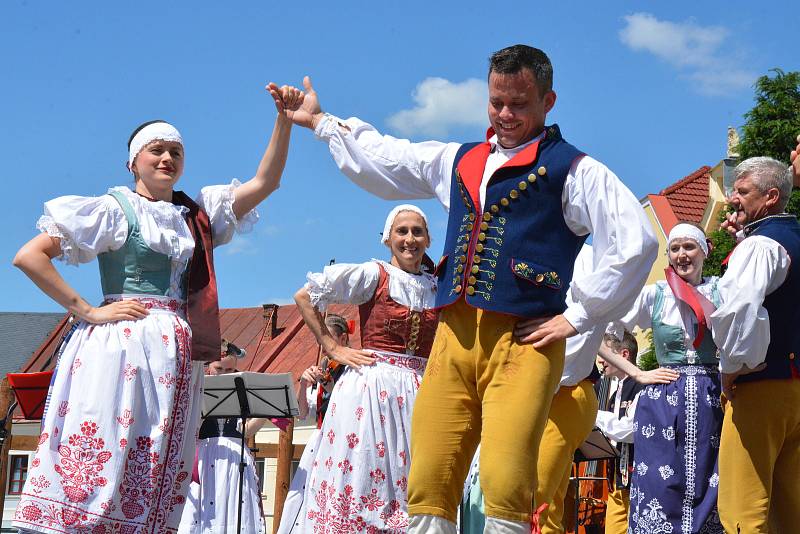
470 170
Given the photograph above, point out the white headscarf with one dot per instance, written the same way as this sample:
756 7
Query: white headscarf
688 231
158 131
387 228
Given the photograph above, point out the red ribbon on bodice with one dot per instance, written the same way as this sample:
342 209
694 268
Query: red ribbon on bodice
688 294
201 292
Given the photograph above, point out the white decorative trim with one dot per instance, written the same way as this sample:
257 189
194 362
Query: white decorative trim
690 453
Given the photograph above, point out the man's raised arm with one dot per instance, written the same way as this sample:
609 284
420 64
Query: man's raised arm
387 167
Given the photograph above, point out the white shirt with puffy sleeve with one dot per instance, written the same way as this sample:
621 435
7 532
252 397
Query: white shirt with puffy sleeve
594 201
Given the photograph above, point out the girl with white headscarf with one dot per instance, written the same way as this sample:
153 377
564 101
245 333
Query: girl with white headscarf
677 426
117 440
355 471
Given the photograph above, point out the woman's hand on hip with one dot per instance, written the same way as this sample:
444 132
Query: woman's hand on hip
123 310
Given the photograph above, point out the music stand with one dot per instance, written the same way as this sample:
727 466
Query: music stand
247 395
596 447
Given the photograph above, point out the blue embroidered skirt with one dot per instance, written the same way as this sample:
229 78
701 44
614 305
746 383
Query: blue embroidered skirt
677 428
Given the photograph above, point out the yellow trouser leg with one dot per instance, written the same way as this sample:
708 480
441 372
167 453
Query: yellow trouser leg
517 388
446 423
760 451
617 509
571 419
480 385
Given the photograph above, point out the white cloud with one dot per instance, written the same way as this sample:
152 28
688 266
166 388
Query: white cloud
441 104
239 246
696 51
269 230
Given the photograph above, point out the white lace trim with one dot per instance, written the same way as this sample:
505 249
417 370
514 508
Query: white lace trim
69 249
169 218
161 210
241 225
318 287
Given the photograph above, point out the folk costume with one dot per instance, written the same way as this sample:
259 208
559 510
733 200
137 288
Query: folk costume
569 422
503 261
677 425
354 474
616 421
212 503
118 435
758 322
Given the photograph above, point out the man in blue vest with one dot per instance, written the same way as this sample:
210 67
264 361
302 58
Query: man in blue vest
520 206
756 330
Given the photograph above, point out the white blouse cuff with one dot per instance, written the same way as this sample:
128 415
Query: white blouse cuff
69 248
244 224
326 127
319 288
728 365
577 317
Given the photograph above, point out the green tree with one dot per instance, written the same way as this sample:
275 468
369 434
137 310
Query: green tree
770 129
647 360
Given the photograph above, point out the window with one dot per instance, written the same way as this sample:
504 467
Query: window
260 472
18 472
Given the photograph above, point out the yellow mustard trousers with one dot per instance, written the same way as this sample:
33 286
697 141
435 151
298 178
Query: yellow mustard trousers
617 508
480 385
759 459
571 419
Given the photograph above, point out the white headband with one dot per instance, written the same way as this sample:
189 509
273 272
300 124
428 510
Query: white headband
158 131
387 228
688 231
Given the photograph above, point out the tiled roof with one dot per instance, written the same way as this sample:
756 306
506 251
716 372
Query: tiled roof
689 196
20 335
292 349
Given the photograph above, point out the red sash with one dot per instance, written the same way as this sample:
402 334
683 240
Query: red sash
686 293
201 295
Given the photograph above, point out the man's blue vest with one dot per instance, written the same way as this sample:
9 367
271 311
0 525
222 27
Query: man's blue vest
783 304
516 254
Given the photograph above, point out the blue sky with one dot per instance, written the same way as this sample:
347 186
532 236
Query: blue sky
647 87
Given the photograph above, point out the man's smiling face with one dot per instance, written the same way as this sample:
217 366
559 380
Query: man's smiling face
517 111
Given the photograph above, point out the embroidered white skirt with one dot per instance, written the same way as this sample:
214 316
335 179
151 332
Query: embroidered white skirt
212 505
354 476
118 434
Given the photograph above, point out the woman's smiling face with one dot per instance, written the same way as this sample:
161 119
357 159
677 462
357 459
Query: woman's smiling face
408 241
158 166
687 258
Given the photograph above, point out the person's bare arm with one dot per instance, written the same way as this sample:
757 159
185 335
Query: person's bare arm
268 175
253 426
662 375
35 259
315 322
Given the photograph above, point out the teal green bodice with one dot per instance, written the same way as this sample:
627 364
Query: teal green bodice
134 268
669 340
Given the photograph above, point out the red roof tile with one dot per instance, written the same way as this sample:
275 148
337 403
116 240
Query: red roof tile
688 197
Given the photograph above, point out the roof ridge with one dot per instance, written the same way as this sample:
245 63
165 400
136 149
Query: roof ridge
699 173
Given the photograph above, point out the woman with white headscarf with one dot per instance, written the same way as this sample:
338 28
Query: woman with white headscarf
356 472
118 436
677 425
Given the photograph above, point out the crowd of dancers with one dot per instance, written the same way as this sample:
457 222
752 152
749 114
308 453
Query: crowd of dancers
492 349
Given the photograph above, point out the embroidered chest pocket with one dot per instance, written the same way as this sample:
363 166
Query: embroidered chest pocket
536 274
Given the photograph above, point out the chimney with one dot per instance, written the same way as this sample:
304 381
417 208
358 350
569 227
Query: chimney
271 319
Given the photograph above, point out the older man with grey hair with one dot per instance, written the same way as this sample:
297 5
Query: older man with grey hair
758 334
